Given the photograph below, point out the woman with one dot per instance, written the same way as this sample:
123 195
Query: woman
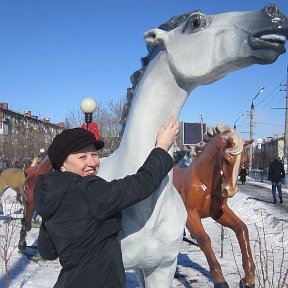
81 212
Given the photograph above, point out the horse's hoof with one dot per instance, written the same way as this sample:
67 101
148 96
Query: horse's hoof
242 284
22 246
222 284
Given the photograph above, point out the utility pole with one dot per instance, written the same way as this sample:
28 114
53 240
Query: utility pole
201 125
252 127
286 124
285 156
251 135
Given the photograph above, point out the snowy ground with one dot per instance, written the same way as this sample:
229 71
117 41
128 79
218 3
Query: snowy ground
192 270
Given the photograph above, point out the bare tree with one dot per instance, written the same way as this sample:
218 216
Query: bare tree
108 119
8 243
23 145
74 119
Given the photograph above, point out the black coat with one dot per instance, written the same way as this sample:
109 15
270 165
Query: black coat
276 171
243 173
81 219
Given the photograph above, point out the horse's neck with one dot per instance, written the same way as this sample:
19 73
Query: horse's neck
156 98
44 166
207 163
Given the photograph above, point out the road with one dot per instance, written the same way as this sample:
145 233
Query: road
262 192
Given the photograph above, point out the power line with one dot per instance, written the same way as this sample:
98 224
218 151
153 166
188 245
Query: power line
271 96
272 124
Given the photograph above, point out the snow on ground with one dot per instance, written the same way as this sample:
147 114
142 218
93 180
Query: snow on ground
192 269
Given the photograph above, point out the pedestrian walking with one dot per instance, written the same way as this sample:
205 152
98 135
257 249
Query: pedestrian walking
243 173
276 175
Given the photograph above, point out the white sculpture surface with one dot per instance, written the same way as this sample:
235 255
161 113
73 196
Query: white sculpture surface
187 51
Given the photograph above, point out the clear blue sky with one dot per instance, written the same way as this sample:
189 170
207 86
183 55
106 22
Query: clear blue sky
54 53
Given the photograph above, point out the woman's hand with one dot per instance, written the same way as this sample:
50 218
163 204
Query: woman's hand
167 134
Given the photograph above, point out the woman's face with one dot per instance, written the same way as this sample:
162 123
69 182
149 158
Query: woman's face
83 162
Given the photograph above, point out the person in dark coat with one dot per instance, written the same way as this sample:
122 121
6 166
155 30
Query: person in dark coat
87 242
243 173
276 174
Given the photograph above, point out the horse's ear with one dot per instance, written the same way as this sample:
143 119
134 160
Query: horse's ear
248 142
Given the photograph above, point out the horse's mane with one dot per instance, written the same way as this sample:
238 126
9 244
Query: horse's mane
135 78
225 131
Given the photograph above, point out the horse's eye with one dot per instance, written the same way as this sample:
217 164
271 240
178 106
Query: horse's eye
227 159
195 22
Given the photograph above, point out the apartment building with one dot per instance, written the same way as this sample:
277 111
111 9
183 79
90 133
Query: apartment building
23 135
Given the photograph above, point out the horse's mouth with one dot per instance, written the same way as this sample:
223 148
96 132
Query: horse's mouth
273 41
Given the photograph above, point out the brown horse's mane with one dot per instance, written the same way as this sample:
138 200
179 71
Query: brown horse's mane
225 131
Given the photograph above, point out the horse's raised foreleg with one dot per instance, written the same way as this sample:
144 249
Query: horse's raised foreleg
230 220
197 231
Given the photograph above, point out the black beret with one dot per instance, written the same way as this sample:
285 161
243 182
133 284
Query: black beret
68 141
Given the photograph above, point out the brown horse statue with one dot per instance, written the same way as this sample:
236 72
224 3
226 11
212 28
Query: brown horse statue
14 178
205 185
28 201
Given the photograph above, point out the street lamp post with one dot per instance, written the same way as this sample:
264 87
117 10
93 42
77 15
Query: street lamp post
42 153
201 125
261 165
252 126
88 106
238 120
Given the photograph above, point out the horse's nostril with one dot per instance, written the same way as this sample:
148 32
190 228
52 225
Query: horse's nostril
271 9
225 192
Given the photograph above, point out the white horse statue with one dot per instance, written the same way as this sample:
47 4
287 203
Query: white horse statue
185 52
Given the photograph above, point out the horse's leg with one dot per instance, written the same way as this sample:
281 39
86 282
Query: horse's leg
3 188
23 233
29 209
197 231
19 197
230 220
140 277
161 276
26 222
1 209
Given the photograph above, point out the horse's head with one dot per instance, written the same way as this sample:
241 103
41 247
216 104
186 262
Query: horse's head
231 158
218 44
35 161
